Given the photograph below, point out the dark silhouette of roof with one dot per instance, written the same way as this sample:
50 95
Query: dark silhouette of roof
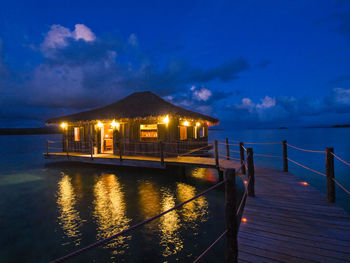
137 105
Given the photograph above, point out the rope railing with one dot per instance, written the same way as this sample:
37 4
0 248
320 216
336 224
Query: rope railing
304 150
268 155
340 159
109 239
341 186
308 168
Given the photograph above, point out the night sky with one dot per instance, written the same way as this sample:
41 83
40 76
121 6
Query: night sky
249 63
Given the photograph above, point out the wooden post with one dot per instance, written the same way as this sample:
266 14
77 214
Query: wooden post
227 150
216 153
230 216
221 175
120 150
92 149
161 153
285 156
47 147
67 147
241 152
251 177
330 175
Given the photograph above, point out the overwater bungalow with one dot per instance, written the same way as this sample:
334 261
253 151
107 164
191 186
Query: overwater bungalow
135 125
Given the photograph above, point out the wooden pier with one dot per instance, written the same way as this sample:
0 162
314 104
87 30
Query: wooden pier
282 218
290 221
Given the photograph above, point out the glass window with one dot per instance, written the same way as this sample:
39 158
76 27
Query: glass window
148 132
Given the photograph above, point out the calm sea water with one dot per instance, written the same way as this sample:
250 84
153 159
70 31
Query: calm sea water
48 210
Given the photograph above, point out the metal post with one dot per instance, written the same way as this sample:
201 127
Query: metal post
251 177
161 153
216 153
285 156
241 152
230 216
227 150
330 175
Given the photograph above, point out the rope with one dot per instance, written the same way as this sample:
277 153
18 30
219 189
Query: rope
267 155
305 150
340 159
262 143
210 247
306 167
235 151
106 240
341 186
228 144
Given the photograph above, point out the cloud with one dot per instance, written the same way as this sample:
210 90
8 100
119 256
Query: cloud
133 40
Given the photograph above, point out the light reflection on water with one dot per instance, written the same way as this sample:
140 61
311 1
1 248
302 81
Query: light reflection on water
110 211
69 218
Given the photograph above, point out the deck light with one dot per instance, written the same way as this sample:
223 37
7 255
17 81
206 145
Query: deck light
186 123
115 124
244 220
166 119
198 124
99 124
304 183
63 125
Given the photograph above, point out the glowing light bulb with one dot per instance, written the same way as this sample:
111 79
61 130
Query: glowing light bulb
166 119
99 124
244 220
198 124
63 125
115 124
186 123
304 183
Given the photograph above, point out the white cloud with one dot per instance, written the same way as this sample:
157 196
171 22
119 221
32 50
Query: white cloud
58 37
202 94
266 102
133 40
342 95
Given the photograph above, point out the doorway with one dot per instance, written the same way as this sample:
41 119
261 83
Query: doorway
107 139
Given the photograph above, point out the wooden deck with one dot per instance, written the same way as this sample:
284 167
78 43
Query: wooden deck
287 221
290 222
143 161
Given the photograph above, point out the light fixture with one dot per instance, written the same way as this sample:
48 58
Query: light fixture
166 119
63 125
186 123
115 124
304 183
198 124
244 219
99 124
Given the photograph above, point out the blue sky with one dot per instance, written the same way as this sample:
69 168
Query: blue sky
255 63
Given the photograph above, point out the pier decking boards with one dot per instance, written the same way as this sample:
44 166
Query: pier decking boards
291 222
287 221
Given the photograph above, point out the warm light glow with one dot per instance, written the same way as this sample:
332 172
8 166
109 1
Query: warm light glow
106 136
186 123
304 183
198 124
244 219
166 119
63 125
115 124
99 124
245 182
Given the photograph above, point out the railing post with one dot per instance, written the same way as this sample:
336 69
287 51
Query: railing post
230 216
47 147
241 152
227 150
92 149
67 147
251 177
120 150
216 153
330 175
161 153
285 156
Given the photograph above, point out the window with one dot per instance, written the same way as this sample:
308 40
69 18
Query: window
183 132
76 134
148 132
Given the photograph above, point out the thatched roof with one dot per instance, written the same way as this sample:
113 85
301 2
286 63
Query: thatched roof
136 105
